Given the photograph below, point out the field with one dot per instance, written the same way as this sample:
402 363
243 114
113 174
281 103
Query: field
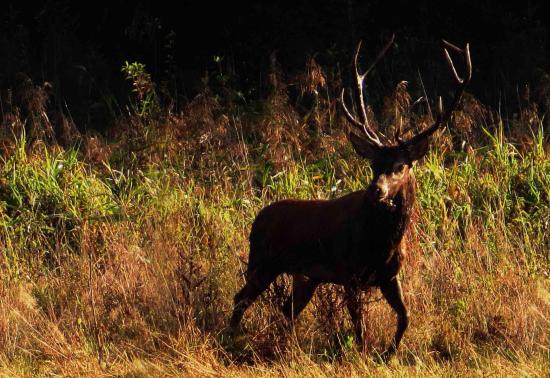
122 252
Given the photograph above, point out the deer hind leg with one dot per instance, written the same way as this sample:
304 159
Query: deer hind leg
393 294
303 289
354 304
256 283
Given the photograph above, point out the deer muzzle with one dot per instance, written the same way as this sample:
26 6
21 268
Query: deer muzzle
379 190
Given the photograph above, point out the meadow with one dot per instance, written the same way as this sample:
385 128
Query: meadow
121 252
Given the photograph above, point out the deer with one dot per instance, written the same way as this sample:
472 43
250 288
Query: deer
354 240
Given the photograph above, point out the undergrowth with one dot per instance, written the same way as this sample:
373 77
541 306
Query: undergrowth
121 255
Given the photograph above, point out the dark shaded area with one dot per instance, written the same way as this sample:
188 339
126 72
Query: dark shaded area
80 47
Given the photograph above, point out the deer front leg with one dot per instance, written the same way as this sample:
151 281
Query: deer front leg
355 307
392 292
303 289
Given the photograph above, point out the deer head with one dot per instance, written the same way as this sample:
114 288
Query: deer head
391 160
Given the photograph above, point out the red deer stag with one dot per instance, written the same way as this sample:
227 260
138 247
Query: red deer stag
354 240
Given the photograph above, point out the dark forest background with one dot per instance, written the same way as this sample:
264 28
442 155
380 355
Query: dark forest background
78 48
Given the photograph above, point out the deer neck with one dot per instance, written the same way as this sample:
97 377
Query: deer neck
395 219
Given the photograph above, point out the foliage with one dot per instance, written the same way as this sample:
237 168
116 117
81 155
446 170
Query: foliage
143 87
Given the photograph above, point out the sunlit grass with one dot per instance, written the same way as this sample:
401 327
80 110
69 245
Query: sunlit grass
130 268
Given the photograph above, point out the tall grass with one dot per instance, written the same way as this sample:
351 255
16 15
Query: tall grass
122 259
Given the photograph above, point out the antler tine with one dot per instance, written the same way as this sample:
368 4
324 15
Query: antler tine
452 66
363 123
397 135
399 129
359 79
348 114
452 46
381 53
443 117
371 136
468 60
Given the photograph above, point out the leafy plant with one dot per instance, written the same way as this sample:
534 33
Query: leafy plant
146 100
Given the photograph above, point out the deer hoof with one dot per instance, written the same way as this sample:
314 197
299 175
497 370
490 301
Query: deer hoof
387 355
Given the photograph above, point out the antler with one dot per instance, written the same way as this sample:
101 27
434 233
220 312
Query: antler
363 123
461 83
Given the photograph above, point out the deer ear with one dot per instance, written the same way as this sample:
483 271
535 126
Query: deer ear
419 149
362 147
